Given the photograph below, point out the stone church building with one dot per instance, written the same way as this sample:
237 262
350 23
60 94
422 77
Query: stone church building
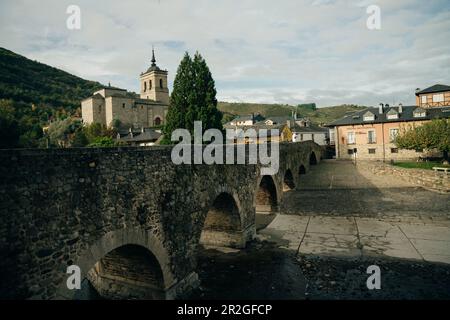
149 109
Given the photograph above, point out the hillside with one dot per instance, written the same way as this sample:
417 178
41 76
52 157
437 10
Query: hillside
32 94
24 80
318 116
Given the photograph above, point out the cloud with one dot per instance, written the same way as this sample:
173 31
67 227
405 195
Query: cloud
286 51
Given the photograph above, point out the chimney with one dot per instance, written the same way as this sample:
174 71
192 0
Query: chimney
400 108
380 108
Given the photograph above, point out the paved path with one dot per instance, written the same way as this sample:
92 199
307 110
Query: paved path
344 211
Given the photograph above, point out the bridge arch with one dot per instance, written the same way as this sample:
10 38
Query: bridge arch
222 225
312 159
117 244
301 170
267 195
128 272
288 180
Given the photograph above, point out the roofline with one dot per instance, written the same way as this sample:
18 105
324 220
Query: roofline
148 72
432 91
378 122
362 112
111 88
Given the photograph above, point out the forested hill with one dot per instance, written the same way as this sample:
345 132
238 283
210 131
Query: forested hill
316 115
25 80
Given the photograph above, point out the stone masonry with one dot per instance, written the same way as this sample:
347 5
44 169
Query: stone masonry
60 207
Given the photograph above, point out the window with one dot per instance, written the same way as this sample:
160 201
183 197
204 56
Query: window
301 136
424 99
150 85
100 108
394 150
372 151
392 116
369 116
419 114
393 134
145 86
350 138
160 83
371 136
157 121
123 105
438 97
350 151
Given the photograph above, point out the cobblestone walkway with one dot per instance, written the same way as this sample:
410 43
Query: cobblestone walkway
343 210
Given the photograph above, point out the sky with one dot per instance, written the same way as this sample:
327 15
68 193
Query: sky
262 51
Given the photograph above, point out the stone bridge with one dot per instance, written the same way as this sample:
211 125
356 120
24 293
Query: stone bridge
128 217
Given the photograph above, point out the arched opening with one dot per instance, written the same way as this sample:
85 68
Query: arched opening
266 196
222 226
312 159
288 182
127 272
301 170
157 121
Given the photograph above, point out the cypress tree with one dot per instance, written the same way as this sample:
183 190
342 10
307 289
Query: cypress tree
206 92
193 98
179 99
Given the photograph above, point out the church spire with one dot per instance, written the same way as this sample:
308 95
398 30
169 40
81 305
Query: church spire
153 57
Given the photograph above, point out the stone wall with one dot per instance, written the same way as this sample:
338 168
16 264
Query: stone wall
60 207
428 179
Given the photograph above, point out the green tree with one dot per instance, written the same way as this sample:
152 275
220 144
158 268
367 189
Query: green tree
9 127
431 135
193 98
205 95
103 142
80 139
61 132
180 98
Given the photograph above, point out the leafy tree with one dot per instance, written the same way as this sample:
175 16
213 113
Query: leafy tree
103 142
307 106
9 127
61 132
193 98
80 139
431 135
31 137
116 123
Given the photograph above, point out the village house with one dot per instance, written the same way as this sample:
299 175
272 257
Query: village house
291 128
434 96
370 134
143 138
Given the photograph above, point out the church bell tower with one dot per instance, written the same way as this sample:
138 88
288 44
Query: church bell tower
154 84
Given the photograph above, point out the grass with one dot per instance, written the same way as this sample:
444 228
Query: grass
421 165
